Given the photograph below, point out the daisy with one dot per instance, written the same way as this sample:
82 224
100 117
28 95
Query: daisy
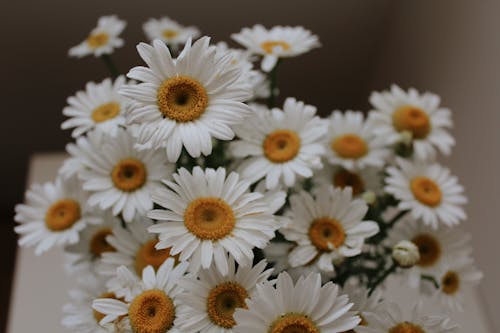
305 306
435 246
186 101
326 226
352 143
364 304
279 42
392 320
280 144
398 111
122 178
169 31
54 214
207 214
153 306
428 190
81 153
212 297
99 106
457 275
103 39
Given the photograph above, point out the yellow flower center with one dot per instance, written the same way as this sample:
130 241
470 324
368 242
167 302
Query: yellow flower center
148 255
151 312
326 234
349 146
450 283
169 33
99 244
97 40
293 323
62 214
428 248
129 175
105 112
426 191
281 146
223 300
269 45
97 315
406 327
344 178
209 218
412 119
182 99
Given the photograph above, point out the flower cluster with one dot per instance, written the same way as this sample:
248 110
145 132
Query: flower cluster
191 202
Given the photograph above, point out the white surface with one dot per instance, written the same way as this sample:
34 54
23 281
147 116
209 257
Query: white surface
40 284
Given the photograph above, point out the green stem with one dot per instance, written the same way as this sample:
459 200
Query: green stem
431 279
396 218
111 65
381 278
273 82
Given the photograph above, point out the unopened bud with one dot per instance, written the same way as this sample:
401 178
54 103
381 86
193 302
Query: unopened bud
369 197
405 137
405 254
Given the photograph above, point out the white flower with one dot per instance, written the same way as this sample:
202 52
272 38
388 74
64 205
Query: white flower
364 304
54 214
326 226
81 153
186 101
99 106
280 144
352 143
153 305
279 42
428 190
304 307
399 111
169 31
212 297
207 214
122 178
103 39
405 254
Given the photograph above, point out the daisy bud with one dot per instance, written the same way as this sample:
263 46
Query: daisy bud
406 137
369 197
405 254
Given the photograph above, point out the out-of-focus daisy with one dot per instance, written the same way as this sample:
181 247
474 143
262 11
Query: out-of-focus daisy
392 320
99 106
428 190
352 143
280 144
279 42
53 214
435 246
364 304
122 178
186 101
169 31
153 306
457 275
211 297
305 306
398 111
207 214
103 39
81 153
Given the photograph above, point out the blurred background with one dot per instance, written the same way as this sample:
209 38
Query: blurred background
448 47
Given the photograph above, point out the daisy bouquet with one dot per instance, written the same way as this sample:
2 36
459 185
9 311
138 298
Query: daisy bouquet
192 202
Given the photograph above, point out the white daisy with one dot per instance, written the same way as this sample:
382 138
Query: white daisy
99 106
326 226
428 190
364 304
304 307
280 144
212 297
186 101
169 31
435 246
352 143
122 178
103 39
392 320
279 42
54 214
207 214
153 306
82 152
457 275
398 111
